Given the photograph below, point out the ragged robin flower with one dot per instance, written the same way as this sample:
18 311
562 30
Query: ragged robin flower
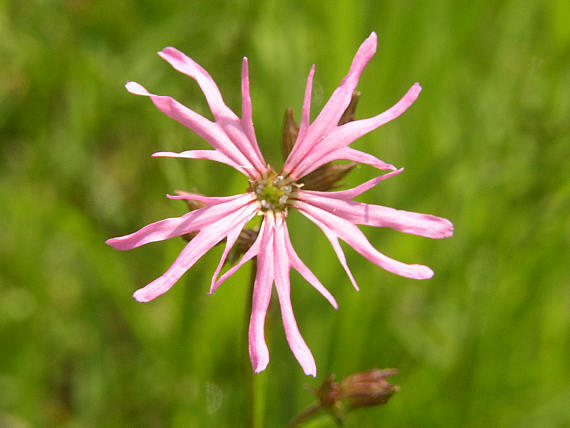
273 194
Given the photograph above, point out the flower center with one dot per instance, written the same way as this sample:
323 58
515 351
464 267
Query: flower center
273 192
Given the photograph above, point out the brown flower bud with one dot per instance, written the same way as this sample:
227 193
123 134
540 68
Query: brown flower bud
348 115
290 132
326 177
328 393
368 388
245 240
364 389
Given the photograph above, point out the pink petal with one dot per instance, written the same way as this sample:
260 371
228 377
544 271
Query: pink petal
249 254
345 153
186 65
206 199
333 239
223 115
213 155
171 227
233 129
258 352
306 115
354 192
194 250
247 119
231 239
342 136
300 267
281 268
348 232
329 116
206 129
426 225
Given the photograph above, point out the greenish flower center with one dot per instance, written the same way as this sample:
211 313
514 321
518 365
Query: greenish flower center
273 192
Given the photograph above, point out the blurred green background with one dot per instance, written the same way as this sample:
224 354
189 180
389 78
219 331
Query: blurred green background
484 343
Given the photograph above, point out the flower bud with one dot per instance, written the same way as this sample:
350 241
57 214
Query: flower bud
348 115
290 132
368 388
245 240
327 177
364 389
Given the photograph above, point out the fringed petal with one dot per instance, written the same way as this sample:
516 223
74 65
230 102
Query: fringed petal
176 226
246 110
306 114
223 115
329 116
249 254
349 233
208 200
194 250
333 239
213 155
341 136
300 267
419 224
354 192
230 241
282 284
258 352
208 130
349 154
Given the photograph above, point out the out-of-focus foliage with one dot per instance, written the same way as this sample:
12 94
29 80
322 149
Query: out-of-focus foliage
484 343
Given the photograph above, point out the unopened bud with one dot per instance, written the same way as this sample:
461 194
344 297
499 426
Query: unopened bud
245 240
368 388
348 115
364 389
290 132
328 393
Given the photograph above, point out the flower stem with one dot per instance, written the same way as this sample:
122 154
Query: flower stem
305 416
249 375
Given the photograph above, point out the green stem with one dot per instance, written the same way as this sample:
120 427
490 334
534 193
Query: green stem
249 401
305 416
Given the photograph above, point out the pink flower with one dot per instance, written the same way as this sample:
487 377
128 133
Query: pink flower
271 194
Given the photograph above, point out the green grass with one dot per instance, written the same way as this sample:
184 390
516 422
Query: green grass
483 343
